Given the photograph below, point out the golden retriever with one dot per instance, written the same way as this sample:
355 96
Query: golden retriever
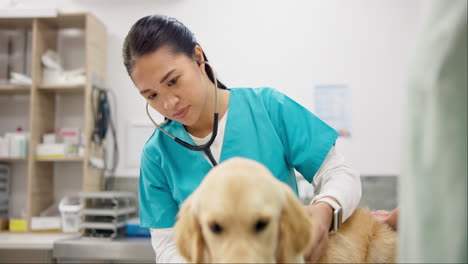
241 213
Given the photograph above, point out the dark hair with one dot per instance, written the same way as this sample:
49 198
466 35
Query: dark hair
153 32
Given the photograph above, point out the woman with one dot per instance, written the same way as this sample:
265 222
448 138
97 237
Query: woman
171 71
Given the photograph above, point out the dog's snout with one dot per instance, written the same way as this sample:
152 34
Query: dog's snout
245 253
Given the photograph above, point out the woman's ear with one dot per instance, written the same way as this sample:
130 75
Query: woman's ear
295 229
188 235
198 55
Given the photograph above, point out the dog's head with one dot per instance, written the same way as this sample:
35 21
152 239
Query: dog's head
241 213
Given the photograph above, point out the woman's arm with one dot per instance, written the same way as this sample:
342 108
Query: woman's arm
162 240
336 179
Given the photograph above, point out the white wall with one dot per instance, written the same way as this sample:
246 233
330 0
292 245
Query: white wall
288 45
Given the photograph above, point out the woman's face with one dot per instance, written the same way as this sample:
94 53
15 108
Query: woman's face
173 84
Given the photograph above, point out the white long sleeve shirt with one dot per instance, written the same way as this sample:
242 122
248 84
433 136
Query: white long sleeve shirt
335 178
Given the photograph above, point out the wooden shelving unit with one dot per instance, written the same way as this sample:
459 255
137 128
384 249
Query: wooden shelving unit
10 160
42 114
63 88
77 159
14 89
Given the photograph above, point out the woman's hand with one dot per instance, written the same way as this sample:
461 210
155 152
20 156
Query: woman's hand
321 214
386 217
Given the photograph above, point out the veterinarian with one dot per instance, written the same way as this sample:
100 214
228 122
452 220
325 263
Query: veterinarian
206 123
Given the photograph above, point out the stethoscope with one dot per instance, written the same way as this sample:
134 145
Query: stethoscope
205 147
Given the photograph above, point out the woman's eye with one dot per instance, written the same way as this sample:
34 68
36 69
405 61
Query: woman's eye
151 97
172 82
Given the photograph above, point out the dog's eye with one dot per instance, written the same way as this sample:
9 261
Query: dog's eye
260 225
216 228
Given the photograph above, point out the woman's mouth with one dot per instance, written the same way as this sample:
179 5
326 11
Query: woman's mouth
181 113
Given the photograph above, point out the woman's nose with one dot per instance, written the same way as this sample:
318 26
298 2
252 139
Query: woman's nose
170 102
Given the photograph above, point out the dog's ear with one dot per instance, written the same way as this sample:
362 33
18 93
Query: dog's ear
295 229
188 234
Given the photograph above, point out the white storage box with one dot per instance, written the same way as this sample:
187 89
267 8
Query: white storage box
51 150
70 207
49 138
69 135
45 223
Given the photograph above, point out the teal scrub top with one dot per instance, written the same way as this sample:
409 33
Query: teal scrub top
262 124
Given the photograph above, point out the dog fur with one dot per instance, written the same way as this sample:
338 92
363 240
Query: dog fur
242 214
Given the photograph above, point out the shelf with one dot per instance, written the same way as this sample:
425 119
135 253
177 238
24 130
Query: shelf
102 225
15 23
62 88
69 20
106 212
13 159
14 89
74 159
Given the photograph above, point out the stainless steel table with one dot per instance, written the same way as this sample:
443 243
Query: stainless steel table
120 249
